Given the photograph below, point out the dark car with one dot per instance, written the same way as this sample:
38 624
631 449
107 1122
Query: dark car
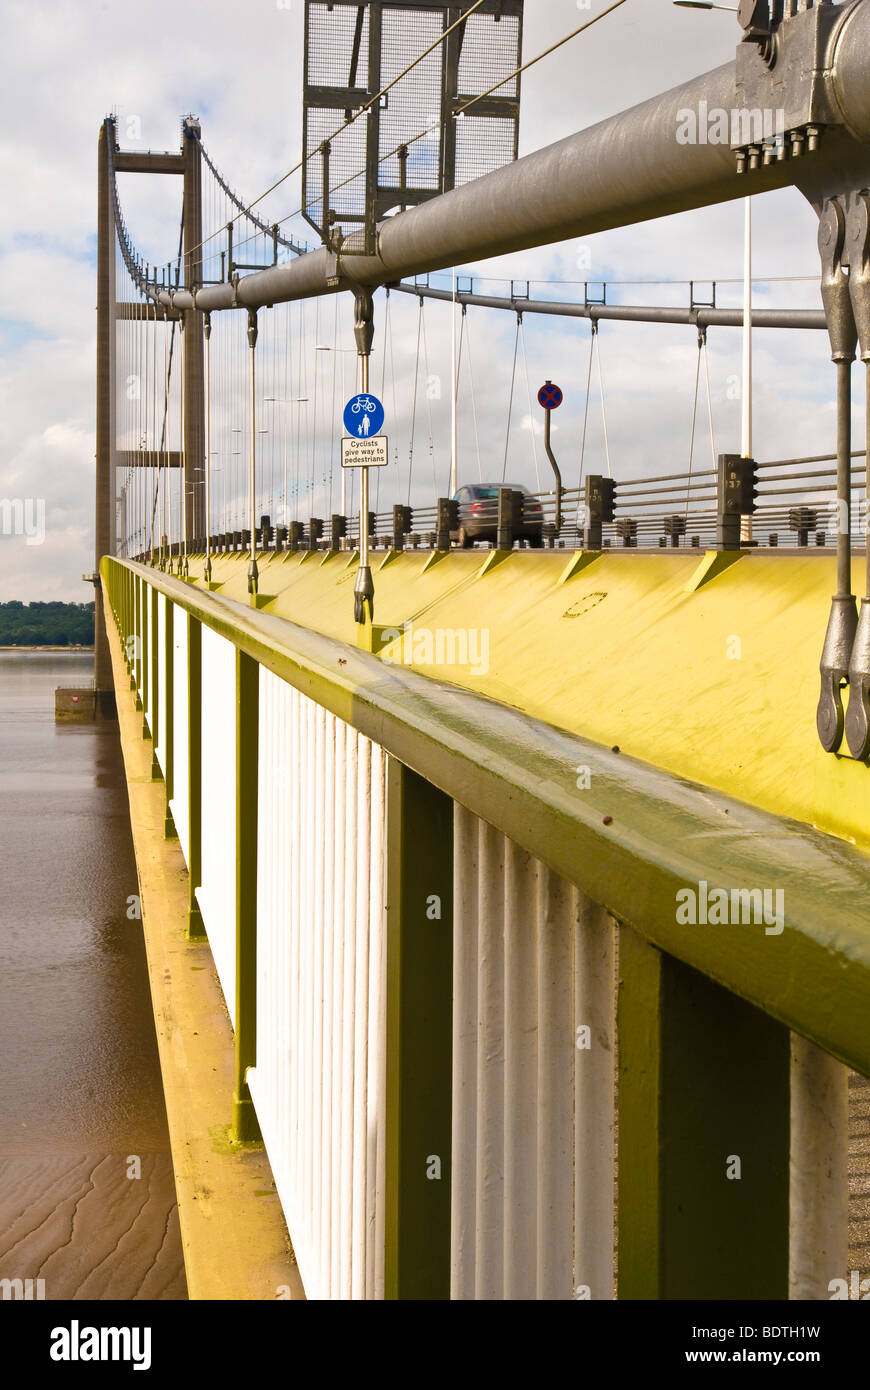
478 515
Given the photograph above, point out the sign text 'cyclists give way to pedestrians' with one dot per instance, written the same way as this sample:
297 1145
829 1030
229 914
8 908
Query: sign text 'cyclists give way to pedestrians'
365 453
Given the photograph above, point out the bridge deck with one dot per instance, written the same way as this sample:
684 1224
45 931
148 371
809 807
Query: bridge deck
682 663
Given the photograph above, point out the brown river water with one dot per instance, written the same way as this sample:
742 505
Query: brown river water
87 1196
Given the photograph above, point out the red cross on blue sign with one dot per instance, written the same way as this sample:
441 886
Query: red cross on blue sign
550 396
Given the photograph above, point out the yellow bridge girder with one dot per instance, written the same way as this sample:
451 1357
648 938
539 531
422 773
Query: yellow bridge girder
706 667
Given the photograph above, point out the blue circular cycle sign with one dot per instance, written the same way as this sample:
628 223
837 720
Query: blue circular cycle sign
364 417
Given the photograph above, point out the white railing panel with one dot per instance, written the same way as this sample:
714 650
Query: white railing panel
147 700
180 803
138 629
160 731
533 1090
217 894
319 1083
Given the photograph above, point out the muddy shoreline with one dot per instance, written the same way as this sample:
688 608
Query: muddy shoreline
87 1189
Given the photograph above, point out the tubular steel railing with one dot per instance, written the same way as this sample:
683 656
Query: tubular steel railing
650 503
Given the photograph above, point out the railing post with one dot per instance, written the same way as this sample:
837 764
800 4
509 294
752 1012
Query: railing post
128 590
169 831
195 926
136 630
245 1125
140 646
819 1188
154 683
419 1024
126 581
703 1136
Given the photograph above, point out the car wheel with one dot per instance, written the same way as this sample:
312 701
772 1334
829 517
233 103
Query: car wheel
465 541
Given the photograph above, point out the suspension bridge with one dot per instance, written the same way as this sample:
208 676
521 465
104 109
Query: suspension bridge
502 851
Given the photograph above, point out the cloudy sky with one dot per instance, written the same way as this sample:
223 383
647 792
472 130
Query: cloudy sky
68 63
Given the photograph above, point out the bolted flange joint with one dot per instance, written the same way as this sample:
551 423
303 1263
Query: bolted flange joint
364 322
364 596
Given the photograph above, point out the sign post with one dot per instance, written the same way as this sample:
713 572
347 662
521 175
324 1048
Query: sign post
550 397
364 418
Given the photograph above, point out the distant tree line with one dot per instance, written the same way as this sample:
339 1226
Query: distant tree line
46 624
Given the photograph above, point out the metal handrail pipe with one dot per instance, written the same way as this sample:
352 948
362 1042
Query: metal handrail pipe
625 313
625 170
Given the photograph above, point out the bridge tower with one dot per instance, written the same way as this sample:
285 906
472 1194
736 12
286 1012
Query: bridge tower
104 511
188 164
194 372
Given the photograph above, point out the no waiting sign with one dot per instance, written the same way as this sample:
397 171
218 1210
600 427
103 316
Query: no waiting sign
365 453
550 396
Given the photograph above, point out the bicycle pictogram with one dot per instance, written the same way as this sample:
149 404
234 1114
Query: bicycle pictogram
364 416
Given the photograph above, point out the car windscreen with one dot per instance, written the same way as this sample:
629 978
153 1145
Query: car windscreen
490 494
